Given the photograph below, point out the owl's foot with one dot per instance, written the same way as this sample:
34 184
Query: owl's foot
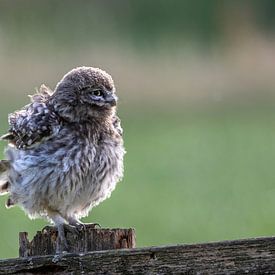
61 243
72 229
67 227
62 226
48 228
82 226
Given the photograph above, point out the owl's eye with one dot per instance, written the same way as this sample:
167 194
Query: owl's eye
97 93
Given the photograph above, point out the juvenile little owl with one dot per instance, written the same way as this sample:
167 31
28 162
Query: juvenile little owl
65 150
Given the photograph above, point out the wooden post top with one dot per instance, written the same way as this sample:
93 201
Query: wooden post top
90 239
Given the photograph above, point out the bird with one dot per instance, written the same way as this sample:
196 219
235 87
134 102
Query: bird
65 150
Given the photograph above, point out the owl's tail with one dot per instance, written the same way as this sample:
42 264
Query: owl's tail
4 183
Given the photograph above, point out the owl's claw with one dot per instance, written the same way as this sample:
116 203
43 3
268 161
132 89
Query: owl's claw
49 228
83 226
61 243
72 229
67 227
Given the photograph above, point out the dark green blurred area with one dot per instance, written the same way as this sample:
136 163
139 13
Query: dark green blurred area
140 23
196 86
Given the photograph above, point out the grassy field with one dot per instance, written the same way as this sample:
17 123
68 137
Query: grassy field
189 177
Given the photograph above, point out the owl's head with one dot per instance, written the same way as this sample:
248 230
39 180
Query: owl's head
85 93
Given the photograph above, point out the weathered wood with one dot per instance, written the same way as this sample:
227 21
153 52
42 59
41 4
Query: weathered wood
90 239
251 256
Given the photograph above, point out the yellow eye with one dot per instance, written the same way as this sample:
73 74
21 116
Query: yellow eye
97 93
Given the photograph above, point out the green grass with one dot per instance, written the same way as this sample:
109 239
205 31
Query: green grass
189 177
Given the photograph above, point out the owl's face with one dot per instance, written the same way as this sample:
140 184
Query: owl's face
85 93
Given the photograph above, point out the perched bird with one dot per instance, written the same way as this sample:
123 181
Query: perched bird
65 150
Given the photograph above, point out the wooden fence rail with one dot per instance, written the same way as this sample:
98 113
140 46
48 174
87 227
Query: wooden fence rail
249 256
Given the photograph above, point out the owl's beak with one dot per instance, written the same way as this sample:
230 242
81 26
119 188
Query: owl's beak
111 99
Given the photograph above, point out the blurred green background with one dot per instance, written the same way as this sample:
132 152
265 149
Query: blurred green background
196 81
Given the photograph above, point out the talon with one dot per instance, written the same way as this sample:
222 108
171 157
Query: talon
96 224
48 228
83 226
80 226
72 229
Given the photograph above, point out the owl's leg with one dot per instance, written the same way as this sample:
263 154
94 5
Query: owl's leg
61 244
61 225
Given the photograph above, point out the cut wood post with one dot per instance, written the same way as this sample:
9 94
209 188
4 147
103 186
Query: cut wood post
90 239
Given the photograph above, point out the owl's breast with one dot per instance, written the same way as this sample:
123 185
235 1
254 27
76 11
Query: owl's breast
104 171
107 169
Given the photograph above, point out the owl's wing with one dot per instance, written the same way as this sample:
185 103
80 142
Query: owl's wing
33 122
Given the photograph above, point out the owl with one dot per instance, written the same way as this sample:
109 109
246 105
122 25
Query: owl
65 150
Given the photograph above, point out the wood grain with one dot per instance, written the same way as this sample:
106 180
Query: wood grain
250 256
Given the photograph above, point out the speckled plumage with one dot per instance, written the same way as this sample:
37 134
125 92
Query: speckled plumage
65 152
